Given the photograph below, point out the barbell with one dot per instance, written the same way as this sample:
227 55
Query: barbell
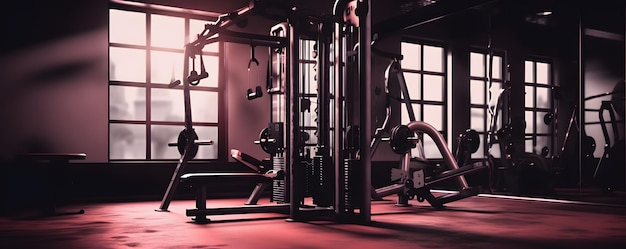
402 140
184 137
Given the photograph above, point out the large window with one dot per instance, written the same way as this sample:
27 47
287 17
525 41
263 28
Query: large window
538 104
146 49
425 71
484 97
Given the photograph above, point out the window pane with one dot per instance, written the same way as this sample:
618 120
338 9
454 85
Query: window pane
542 127
167 105
127 103
430 148
207 133
528 146
167 31
433 87
205 106
529 98
413 81
195 28
433 114
529 72
161 135
497 67
433 59
477 65
211 64
166 67
494 94
477 92
495 151
404 116
529 122
127 27
477 119
310 116
543 141
543 97
412 54
543 73
127 64
127 141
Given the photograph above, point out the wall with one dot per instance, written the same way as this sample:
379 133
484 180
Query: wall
53 88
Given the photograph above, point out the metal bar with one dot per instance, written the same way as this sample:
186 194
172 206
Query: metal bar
365 112
171 188
270 208
405 91
467 169
338 143
389 190
448 158
256 193
426 14
252 39
292 106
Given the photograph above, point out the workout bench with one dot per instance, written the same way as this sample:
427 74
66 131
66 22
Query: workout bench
53 163
201 181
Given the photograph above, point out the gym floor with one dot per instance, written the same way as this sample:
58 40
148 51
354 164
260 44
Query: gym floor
476 222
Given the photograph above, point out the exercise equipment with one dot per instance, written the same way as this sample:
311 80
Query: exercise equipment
609 171
270 140
189 137
53 164
202 182
187 143
416 175
258 92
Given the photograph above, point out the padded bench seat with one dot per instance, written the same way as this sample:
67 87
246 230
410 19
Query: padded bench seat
201 177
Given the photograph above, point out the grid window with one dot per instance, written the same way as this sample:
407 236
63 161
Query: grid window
146 53
538 104
483 97
424 70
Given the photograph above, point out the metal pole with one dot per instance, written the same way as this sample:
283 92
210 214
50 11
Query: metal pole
365 110
292 105
338 46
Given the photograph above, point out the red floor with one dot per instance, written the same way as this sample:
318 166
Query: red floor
476 222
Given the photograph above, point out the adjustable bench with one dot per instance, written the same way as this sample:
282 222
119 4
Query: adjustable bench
201 181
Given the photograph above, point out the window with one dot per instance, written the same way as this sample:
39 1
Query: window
424 68
483 96
538 104
146 48
308 86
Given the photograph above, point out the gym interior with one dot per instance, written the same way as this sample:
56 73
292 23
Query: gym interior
268 124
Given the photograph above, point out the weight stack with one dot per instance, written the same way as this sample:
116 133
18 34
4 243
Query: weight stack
309 179
278 186
323 172
353 184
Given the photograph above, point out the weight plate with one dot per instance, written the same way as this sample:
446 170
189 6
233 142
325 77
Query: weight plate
183 137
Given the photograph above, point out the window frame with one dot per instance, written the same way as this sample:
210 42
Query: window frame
187 15
419 101
485 102
534 135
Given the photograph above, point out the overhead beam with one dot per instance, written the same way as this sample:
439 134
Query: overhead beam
426 14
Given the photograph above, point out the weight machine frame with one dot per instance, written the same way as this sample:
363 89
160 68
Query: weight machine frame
220 28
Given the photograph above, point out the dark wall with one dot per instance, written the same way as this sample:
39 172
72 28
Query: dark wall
53 78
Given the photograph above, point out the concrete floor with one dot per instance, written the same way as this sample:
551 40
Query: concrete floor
476 222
